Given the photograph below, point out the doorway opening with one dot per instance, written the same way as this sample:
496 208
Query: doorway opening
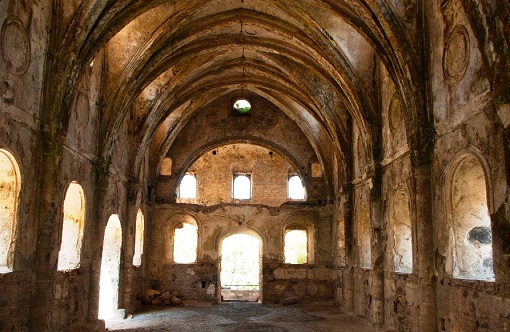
240 271
110 268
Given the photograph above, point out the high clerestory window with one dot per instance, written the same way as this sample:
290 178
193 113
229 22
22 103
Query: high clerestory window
241 188
295 188
188 187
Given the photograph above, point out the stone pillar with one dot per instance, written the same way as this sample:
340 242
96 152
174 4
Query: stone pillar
47 232
378 231
427 319
348 283
500 217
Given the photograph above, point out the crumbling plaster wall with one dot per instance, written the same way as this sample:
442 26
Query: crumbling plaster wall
305 281
401 300
22 45
466 123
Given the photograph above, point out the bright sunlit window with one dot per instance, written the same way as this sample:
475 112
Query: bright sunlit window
242 106
296 247
296 189
137 257
185 244
72 228
242 186
188 187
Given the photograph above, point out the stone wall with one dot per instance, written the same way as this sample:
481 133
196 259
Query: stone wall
200 280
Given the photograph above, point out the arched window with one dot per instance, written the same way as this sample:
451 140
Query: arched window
470 224
402 244
188 187
137 257
296 246
295 188
242 186
72 228
10 185
185 243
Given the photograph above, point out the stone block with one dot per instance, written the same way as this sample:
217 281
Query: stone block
295 273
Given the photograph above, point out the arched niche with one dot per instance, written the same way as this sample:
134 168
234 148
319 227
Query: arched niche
166 167
401 227
469 221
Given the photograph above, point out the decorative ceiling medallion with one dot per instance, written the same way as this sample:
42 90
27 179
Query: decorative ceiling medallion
395 113
456 54
15 45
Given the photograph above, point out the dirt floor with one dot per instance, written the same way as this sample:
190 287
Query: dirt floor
242 317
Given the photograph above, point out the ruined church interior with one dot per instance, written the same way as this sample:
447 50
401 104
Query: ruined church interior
171 154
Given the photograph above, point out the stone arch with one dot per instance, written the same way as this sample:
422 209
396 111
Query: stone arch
72 227
469 223
10 188
401 243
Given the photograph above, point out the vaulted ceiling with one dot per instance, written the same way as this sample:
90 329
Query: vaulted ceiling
165 62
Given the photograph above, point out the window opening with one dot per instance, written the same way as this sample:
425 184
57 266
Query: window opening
10 185
188 187
471 237
242 186
295 188
72 228
110 267
242 106
296 247
185 243
139 235
240 268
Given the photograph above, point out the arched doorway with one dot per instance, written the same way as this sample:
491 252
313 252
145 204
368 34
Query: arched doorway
240 267
110 268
